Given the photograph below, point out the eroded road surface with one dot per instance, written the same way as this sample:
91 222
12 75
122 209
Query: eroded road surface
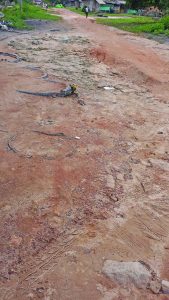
97 191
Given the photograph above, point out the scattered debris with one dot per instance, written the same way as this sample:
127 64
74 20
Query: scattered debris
45 76
34 68
142 185
36 42
3 27
10 146
7 26
51 80
51 134
70 90
108 88
59 134
17 58
81 102
46 122
54 30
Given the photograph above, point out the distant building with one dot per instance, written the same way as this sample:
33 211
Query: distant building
115 6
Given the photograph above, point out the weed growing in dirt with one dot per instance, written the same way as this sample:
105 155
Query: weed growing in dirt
14 15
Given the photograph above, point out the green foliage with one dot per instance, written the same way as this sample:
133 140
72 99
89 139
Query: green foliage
14 15
165 21
162 4
167 32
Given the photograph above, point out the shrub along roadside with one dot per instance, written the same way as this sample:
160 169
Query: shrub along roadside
29 11
139 24
165 21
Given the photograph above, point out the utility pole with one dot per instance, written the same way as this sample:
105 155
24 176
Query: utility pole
20 4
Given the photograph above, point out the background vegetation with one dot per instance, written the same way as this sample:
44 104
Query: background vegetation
135 4
29 11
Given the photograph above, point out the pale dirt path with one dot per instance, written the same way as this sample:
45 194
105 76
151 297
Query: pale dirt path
142 60
68 204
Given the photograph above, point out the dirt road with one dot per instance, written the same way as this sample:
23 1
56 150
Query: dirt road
98 192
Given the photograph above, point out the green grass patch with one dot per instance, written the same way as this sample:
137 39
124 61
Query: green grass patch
122 21
138 24
14 15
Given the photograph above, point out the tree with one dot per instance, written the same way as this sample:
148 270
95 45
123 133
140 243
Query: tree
135 4
164 4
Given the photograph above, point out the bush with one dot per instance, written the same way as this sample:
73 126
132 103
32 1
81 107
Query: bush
165 21
167 32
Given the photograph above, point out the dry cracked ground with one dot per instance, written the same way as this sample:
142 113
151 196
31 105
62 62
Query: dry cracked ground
98 192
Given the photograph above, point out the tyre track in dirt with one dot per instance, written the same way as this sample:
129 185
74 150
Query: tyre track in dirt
36 271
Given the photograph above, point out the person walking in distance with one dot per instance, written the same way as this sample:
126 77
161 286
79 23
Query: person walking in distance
86 11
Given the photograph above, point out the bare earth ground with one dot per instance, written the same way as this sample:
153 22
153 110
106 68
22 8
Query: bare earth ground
101 192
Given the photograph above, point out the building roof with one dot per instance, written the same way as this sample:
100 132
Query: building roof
100 1
121 2
117 2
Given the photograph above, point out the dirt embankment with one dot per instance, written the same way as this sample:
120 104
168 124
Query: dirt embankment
100 191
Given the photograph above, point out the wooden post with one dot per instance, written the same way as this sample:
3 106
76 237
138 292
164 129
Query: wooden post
20 4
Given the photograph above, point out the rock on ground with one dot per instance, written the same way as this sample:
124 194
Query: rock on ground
165 286
126 273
